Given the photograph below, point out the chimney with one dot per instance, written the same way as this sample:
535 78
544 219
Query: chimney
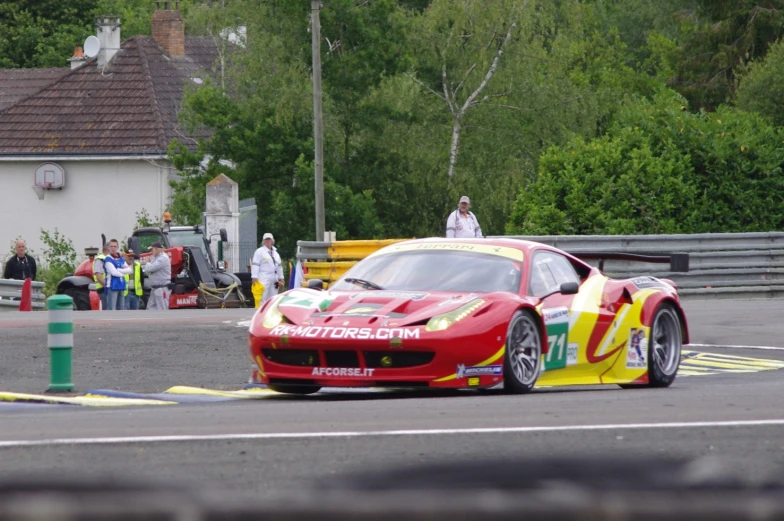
109 36
78 58
168 28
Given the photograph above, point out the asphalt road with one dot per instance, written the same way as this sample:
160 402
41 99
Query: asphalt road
275 447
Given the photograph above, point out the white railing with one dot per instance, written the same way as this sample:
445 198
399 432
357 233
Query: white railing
11 295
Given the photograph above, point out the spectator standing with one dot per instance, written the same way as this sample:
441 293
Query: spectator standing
159 272
133 282
462 223
267 269
20 266
99 275
115 268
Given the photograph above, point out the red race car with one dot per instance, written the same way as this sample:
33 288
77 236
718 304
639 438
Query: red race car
472 313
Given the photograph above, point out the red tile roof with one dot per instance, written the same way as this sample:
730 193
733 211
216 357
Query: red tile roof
129 107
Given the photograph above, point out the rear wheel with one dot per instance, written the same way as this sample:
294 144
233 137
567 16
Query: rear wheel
523 358
295 389
81 298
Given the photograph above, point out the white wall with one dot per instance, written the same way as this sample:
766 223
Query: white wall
98 197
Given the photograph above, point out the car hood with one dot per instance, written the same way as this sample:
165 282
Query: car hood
367 307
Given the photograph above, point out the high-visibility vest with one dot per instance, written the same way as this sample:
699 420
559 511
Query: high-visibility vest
98 285
137 280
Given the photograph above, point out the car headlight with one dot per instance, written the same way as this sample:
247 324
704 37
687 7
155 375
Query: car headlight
272 317
441 322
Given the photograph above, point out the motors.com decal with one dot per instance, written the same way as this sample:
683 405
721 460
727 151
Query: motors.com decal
342 371
356 333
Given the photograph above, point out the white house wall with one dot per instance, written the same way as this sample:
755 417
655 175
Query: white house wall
98 197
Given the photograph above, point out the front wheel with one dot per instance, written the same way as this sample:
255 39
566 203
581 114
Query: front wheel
295 389
664 348
523 357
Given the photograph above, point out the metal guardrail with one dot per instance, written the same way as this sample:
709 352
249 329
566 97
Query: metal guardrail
721 265
11 289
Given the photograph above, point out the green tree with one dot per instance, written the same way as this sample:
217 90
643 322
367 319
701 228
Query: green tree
660 169
59 259
761 85
42 34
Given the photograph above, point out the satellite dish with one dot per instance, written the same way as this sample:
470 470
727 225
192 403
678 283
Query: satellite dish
91 46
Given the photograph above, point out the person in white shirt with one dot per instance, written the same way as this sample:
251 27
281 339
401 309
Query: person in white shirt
266 269
462 223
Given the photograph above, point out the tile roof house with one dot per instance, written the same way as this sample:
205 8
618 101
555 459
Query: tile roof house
93 139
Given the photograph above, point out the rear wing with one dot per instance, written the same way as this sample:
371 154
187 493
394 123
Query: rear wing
677 261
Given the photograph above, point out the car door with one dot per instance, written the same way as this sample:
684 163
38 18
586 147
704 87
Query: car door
570 319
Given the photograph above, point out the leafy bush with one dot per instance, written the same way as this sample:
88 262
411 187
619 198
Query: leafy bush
660 169
59 259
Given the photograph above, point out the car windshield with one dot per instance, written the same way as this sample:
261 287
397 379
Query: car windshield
435 271
187 238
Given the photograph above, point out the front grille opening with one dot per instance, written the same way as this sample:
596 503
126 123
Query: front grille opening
341 358
398 359
298 357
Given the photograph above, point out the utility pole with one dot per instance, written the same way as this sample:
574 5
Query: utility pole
318 119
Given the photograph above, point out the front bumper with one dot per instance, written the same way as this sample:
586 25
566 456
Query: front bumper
425 362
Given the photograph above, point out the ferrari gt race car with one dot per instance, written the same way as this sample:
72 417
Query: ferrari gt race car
470 313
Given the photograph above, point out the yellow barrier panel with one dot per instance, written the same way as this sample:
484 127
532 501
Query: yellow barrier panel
339 253
358 249
327 270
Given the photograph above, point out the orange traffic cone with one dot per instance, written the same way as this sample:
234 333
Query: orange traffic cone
27 296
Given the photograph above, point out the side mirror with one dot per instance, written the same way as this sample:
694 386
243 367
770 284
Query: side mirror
316 284
223 235
569 288
133 244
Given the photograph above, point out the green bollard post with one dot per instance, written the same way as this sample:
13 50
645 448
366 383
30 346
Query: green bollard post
60 342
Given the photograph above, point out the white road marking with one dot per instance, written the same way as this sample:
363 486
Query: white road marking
244 323
370 434
770 348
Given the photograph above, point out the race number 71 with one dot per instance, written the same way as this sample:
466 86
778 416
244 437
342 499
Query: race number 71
557 336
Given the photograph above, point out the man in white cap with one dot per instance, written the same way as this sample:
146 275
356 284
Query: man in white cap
266 269
462 223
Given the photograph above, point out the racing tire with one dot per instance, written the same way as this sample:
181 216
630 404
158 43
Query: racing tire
523 354
81 298
664 348
295 389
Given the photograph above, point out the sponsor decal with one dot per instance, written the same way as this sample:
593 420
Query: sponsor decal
555 315
305 300
362 310
342 371
190 300
391 294
355 333
571 354
502 251
647 282
473 382
637 350
478 370
560 352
